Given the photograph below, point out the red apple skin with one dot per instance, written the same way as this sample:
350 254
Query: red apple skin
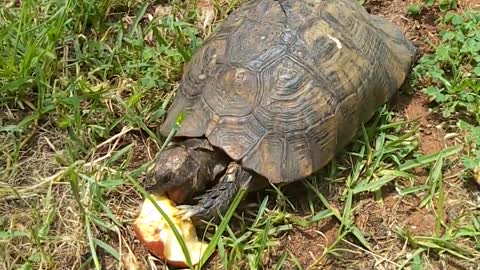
156 247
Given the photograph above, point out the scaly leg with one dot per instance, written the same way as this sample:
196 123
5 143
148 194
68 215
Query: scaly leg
218 199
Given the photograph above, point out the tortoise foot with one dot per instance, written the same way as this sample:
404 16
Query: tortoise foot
210 205
216 201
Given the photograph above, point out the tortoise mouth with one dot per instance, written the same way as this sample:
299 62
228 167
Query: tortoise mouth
178 195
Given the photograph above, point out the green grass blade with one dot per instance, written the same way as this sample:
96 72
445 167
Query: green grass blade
260 212
263 244
91 243
222 253
137 19
424 160
109 213
321 215
434 177
6 235
221 228
374 185
410 190
359 235
295 260
120 153
109 249
281 261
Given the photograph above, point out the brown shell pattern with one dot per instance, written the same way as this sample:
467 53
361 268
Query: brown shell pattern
281 86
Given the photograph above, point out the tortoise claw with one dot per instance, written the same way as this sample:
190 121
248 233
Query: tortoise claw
188 211
216 201
210 204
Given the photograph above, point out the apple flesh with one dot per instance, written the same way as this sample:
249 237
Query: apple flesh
156 235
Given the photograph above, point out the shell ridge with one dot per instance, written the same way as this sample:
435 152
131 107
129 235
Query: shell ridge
291 82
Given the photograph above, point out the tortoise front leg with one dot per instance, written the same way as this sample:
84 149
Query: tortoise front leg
217 199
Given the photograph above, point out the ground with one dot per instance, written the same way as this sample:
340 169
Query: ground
82 95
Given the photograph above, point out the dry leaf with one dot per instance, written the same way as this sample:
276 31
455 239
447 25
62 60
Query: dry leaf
129 261
476 175
161 11
207 13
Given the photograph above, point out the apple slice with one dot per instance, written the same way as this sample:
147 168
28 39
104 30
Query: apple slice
156 235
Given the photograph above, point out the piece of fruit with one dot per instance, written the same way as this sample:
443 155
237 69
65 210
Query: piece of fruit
156 235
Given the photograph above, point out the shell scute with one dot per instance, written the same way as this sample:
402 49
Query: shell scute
281 86
233 92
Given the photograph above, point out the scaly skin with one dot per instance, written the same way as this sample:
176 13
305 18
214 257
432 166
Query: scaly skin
217 200
189 167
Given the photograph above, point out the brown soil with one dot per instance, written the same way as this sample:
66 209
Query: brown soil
307 245
421 29
469 4
432 135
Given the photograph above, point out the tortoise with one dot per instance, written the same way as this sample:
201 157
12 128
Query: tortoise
272 95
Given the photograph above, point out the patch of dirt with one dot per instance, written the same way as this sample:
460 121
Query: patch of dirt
432 133
378 220
420 222
469 4
421 30
306 245
35 158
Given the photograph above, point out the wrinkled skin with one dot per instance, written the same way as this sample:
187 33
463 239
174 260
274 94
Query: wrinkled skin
187 168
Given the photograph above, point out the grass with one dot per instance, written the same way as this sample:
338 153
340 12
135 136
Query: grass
454 69
84 85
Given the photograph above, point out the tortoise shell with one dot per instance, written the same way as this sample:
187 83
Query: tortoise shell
281 86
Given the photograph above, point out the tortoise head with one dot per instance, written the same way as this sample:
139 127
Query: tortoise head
184 169
172 173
